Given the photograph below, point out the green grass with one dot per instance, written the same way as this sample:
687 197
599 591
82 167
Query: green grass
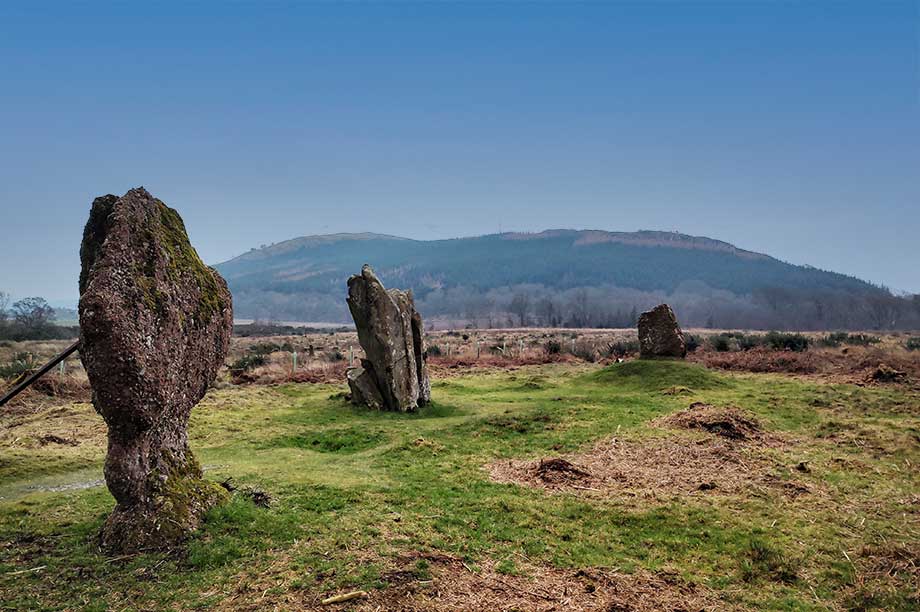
354 488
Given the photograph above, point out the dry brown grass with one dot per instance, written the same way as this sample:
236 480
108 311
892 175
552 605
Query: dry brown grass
854 364
654 467
730 423
449 584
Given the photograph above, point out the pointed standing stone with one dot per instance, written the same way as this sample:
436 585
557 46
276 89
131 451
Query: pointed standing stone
390 331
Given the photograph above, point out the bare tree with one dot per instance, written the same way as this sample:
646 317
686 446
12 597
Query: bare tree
520 306
546 312
4 304
33 313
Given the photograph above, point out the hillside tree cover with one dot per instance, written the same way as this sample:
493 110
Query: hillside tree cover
562 278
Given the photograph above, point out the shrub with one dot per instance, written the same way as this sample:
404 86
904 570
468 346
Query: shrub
786 342
21 363
264 348
748 342
692 341
912 344
838 338
248 362
720 343
584 350
433 350
552 347
620 348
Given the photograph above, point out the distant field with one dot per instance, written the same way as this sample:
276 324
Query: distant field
558 486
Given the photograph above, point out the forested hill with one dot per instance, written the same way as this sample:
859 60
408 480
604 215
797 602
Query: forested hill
304 279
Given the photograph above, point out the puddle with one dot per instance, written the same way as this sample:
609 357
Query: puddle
62 483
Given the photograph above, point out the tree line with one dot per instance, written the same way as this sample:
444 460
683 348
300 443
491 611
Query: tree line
30 318
607 306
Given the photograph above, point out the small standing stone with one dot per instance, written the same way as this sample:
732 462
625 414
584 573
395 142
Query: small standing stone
660 334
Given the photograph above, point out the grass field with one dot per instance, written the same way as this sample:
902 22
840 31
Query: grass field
820 511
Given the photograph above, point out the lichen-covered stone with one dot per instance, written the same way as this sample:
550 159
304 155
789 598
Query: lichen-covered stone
660 334
363 386
155 327
390 331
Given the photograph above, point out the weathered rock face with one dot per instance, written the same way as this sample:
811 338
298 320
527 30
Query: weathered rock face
660 334
155 327
394 375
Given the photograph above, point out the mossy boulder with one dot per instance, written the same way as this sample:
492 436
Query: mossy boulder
155 328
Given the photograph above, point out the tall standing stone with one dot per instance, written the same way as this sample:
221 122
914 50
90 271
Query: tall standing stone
660 334
155 327
394 373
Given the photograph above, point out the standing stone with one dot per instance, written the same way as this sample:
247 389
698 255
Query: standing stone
660 334
155 327
394 373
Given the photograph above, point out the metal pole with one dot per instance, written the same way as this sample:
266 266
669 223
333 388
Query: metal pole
41 372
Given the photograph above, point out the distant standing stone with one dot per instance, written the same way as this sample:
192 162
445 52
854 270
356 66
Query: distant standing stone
660 334
394 374
155 327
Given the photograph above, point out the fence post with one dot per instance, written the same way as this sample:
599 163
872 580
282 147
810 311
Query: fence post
478 349
294 362
351 355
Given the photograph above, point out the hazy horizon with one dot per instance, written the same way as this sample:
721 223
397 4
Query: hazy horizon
786 129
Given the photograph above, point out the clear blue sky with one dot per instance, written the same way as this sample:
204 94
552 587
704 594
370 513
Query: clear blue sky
791 128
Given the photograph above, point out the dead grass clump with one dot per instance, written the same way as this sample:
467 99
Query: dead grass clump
54 439
436 582
69 387
887 577
884 373
442 583
650 467
730 423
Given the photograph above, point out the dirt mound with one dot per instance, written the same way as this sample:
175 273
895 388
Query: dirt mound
729 423
559 470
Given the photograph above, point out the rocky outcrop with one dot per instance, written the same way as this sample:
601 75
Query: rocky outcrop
155 327
660 334
394 373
